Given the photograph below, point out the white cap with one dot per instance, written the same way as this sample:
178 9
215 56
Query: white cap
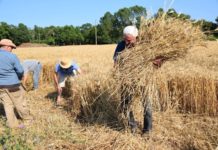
132 30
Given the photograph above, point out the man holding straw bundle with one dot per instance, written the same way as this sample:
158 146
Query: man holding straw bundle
130 34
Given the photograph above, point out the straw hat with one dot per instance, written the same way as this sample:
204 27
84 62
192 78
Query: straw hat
132 30
7 42
65 63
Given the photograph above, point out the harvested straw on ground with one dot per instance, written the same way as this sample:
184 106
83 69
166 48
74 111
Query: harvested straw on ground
68 90
48 73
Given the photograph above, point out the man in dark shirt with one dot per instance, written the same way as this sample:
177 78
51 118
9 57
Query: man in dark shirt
130 34
11 92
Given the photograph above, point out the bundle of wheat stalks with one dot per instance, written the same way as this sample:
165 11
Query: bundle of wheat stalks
48 73
168 39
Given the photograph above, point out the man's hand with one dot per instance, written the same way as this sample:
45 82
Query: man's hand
158 61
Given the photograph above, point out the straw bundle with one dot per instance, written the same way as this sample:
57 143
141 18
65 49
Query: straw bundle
48 73
185 92
68 90
97 104
166 38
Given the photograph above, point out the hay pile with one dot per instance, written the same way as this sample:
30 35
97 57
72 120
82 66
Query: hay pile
48 73
93 102
168 39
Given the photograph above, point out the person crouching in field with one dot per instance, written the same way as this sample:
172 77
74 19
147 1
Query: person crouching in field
65 69
11 91
35 67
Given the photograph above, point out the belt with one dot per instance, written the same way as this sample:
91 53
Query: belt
11 88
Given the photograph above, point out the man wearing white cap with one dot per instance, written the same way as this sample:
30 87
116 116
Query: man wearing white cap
11 92
64 69
130 34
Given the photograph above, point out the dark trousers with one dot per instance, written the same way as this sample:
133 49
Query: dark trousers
126 98
147 117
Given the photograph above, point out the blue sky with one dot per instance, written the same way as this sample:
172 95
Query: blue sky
77 12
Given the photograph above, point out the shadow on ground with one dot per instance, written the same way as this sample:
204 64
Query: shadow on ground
92 105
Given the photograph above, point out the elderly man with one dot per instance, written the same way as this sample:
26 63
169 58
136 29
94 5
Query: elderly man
130 34
66 68
34 66
11 92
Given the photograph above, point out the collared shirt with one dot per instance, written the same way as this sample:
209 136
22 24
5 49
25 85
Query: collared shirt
11 71
30 65
120 47
69 71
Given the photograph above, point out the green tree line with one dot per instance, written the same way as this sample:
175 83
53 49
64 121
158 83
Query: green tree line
109 29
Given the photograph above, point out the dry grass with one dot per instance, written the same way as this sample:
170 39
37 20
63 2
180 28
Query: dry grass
176 85
95 109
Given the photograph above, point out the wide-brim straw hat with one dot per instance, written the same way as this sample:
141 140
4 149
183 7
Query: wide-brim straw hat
7 42
65 63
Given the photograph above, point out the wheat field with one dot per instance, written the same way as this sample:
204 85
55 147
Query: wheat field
89 119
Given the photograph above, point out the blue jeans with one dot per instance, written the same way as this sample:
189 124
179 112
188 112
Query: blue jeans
36 75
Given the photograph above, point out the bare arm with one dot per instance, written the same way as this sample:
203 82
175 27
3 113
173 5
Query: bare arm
58 88
56 79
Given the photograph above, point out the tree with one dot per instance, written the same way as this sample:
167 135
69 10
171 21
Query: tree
105 28
172 13
136 13
86 30
79 36
216 20
206 25
21 34
184 16
37 34
4 30
159 13
50 35
126 16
